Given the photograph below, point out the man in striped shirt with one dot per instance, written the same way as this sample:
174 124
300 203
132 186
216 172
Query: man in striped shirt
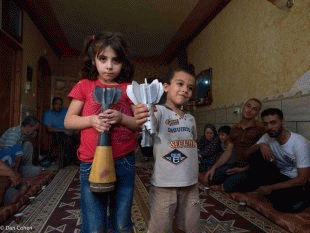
16 150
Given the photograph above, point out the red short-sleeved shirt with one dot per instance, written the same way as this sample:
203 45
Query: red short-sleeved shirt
123 139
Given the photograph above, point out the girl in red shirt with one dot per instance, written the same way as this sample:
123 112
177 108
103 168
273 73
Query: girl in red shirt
106 66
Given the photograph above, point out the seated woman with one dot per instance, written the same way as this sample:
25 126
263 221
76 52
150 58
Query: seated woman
209 148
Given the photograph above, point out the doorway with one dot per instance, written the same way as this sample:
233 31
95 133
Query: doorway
43 104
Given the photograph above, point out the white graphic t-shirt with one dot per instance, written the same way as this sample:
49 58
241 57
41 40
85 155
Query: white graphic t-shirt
175 149
291 155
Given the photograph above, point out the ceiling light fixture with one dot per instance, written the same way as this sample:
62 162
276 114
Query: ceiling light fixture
282 4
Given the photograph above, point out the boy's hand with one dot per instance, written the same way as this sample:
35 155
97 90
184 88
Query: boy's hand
141 113
100 123
112 116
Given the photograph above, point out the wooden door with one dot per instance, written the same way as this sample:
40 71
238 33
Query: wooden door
10 79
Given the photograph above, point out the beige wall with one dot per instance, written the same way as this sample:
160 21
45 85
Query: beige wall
34 47
254 48
69 66
148 70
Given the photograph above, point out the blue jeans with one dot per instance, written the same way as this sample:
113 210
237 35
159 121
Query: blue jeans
111 210
8 155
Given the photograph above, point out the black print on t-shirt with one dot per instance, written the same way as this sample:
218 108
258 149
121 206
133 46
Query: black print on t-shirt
179 129
175 157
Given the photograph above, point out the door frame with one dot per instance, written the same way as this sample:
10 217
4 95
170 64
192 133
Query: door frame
17 76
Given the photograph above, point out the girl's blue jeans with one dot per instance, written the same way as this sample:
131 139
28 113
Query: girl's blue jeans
112 210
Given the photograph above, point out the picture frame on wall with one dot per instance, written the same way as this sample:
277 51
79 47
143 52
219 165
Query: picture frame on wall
204 88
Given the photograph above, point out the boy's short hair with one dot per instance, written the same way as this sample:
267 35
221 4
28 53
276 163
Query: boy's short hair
29 120
272 111
189 69
225 129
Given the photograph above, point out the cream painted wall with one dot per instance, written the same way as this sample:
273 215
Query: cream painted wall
148 70
34 47
254 48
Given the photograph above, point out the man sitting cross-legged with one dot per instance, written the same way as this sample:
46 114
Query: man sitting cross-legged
231 166
16 152
282 168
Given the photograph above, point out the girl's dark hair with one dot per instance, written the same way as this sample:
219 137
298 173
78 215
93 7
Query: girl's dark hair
95 44
212 127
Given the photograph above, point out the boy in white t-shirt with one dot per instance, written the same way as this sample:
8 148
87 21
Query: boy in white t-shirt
174 191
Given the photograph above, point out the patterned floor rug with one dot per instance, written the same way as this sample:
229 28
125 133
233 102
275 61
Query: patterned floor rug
218 212
57 209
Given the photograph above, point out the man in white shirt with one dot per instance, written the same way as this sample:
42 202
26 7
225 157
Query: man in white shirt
286 185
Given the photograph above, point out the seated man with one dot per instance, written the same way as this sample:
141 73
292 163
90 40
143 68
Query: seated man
68 139
10 183
232 164
16 151
286 171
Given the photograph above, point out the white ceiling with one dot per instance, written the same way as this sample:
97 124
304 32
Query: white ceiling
147 25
